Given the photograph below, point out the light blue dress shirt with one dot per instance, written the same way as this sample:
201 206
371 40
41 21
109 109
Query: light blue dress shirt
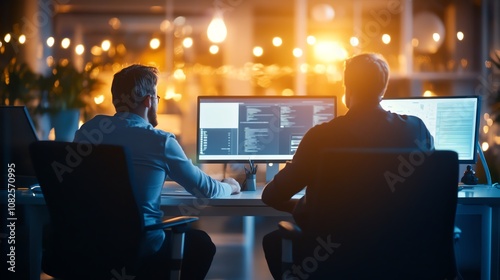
155 155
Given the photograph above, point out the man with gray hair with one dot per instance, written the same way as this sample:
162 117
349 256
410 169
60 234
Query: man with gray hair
365 125
155 155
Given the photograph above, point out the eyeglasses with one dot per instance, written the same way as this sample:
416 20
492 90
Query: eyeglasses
157 97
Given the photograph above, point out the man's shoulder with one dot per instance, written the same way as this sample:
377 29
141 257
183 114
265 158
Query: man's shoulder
331 124
405 118
96 121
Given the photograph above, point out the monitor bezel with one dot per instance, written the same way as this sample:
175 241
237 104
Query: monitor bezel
478 115
250 97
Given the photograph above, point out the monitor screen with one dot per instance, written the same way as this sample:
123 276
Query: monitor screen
453 121
257 128
18 133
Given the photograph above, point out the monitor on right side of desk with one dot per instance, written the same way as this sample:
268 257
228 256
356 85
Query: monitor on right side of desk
453 121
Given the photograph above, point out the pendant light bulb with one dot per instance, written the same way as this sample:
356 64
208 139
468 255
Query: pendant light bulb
217 30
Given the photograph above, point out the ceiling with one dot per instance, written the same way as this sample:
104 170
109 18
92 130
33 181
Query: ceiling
145 17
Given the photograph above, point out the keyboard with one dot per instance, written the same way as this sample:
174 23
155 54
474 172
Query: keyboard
171 188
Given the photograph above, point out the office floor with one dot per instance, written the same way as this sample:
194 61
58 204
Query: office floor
229 261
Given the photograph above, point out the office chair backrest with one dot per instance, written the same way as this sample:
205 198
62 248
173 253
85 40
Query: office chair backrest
384 214
96 222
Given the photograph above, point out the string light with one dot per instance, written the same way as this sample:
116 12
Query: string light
187 42
258 51
154 43
105 45
214 49
436 37
50 42
22 39
65 43
354 41
277 41
311 40
297 52
386 39
79 49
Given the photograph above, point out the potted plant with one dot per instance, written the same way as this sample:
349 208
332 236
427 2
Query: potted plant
16 82
64 92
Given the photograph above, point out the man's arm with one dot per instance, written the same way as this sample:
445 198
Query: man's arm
192 178
271 197
279 192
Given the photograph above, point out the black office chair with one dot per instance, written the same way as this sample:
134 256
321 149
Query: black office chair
377 214
96 226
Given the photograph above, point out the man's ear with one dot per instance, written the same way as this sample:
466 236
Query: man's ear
147 102
347 97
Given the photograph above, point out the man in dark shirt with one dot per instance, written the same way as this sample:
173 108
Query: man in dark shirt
366 125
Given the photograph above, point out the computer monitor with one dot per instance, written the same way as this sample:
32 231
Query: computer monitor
453 121
17 133
264 129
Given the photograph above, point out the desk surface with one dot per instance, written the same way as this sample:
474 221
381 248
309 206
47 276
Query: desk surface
480 194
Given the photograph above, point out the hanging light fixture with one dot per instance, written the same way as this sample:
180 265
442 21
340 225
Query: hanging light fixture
217 30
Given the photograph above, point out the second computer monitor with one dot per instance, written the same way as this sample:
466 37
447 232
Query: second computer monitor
257 128
453 121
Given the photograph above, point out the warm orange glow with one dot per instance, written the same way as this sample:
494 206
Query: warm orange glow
330 52
99 99
428 93
287 92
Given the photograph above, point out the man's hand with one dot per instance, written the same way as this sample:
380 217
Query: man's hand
235 186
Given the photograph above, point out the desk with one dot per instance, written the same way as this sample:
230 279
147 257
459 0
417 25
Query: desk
485 201
248 204
176 201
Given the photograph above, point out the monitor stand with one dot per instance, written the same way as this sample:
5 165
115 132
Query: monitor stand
271 170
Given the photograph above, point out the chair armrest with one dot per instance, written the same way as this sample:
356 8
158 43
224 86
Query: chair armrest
289 230
177 224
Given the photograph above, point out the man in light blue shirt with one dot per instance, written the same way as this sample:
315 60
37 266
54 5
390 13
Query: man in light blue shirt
155 155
